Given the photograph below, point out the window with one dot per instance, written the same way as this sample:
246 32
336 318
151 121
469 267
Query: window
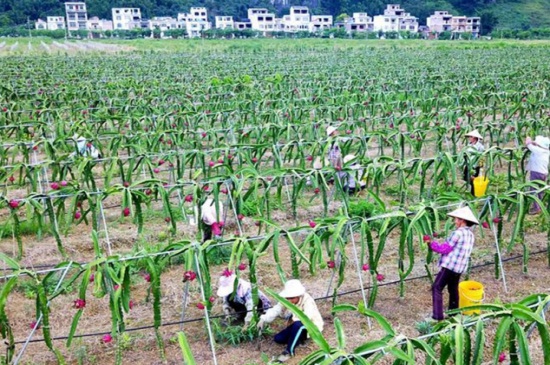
260 18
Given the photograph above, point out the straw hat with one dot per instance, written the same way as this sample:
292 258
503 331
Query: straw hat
543 142
330 130
348 158
78 138
293 288
464 213
474 134
225 285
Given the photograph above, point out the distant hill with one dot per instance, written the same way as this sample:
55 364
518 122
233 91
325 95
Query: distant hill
505 14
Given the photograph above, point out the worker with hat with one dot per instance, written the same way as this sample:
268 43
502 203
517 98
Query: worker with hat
455 256
237 298
334 154
472 168
538 164
295 333
212 219
349 179
84 148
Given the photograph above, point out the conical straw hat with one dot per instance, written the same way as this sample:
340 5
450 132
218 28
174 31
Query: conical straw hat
474 134
464 213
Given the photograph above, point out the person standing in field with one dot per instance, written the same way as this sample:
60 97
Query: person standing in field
295 333
334 154
472 167
238 304
455 256
212 219
538 164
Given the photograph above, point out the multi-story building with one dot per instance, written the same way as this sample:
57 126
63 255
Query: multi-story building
126 18
243 25
94 23
77 15
55 22
164 23
298 19
195 22
360 22
395 19
224 22
320 22
442 21
40 24
261 19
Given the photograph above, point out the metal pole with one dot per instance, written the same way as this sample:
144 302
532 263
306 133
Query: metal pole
488 202
357 264
105 226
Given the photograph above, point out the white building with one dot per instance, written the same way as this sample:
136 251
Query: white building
298 20
94 23
164 23
395 19
261 19
360 22
55 22
442 21
40 24
320 22
77 15
126 18
195 22
224 22
243 25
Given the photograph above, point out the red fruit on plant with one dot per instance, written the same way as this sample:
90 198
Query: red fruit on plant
189 276
126 184
63 183
11 179
254 159
148 192
435 234
242 266
331 264
426 238
365 267
227 273
35 148
188 198
485 225
167 219
309 158
391 125
224 191
257 223
131 304
79 204
77 215
147 277
116 287
348 131
126 211
338 168
92 278
200 306
316 191
497 220
212 299
230 157
203 134
4 109
380 277
240 217
79 303
205 188
501 357
34 325
161 162
312 224
220 160
156 170
107 338
54 186
89 144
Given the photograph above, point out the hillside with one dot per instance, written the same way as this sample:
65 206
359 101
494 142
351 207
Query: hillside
516 14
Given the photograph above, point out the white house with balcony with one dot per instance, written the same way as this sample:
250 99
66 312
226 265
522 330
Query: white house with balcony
55 22
77 15
40 24
224 22
196 21
261 19
320 22
94 23
359 22
298 20
243 25
126 18
164 23
442 21
395 19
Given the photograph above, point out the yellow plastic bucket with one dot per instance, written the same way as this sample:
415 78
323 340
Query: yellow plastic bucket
480 186
470 293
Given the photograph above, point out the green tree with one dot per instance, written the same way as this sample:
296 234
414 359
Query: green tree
488 22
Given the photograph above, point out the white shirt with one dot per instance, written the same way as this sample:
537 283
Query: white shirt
306 305
538 162
208 212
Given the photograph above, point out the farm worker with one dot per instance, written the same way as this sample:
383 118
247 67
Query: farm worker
334 154
239 303
348 179
84 148
538 164
471 167
295 333
211 219
455 255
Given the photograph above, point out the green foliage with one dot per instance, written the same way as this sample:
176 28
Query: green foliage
232 334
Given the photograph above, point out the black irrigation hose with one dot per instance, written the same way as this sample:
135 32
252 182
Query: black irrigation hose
223 315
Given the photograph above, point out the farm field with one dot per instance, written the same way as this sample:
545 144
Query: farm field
95 250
